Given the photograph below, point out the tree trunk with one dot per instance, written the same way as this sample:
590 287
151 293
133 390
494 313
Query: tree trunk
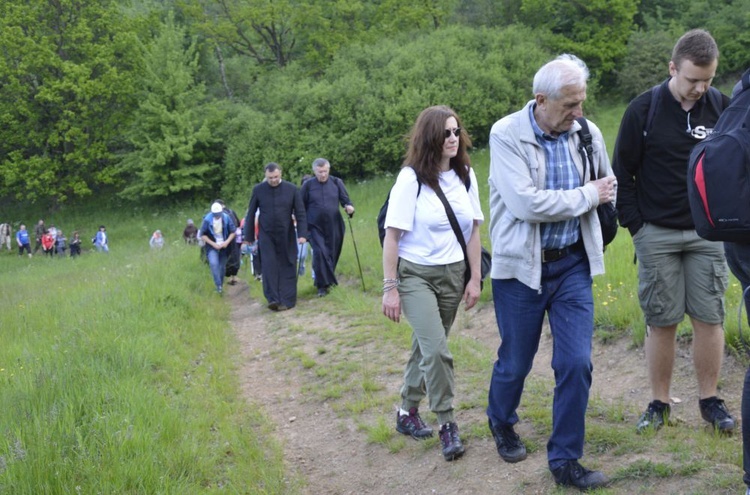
223 72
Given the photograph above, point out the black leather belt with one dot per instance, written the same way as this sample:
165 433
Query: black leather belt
558 254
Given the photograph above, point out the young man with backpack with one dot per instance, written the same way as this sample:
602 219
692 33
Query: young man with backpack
679 272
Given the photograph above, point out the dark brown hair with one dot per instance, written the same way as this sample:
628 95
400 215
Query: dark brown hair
696 45
426 141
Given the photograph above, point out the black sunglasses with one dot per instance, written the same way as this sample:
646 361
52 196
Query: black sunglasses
456 132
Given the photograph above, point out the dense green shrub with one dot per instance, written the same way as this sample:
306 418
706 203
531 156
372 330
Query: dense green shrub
358 113
646 62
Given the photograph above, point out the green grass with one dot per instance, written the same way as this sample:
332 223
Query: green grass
118 375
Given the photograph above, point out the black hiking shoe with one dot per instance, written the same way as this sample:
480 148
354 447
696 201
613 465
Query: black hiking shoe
411 424
715 412
573 474
655 416
509 444
450 441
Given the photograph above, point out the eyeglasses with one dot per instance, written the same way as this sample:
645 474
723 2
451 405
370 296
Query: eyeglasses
456 132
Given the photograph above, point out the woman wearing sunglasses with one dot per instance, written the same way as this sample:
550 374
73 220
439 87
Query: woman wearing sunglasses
424 267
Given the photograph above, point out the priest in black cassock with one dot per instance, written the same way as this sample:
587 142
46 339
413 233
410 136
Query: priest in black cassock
280 204
321 197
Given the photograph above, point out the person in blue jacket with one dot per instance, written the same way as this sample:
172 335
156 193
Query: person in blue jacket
101 240
22 238
217 231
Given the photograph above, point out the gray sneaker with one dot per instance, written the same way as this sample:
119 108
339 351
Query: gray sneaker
451 443
411 424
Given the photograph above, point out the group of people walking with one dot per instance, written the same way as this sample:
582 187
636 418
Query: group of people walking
546 247
545 185
281 218
53 242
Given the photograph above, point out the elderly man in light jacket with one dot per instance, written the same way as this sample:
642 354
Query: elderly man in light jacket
547 244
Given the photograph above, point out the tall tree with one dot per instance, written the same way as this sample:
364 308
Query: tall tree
261 29
174 152
66 69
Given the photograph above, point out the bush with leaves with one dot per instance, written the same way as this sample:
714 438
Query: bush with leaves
358 113
646 62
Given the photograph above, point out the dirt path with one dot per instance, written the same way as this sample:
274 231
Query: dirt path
327 453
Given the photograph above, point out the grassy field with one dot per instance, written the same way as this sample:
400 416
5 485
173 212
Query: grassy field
118 371
118 375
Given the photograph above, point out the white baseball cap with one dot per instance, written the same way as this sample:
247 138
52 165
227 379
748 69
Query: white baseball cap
216 208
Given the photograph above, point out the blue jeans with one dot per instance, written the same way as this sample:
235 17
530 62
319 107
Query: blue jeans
217 261
566 298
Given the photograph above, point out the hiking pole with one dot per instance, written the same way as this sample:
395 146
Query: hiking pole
362 278
299 260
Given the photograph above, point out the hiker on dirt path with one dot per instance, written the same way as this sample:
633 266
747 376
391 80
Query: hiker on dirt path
546 246
280 204
322 196
679 273
424 266
217 232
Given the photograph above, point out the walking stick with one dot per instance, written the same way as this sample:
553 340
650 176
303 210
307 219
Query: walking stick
299 260
362 278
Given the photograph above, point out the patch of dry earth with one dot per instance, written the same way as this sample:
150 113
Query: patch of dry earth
327 451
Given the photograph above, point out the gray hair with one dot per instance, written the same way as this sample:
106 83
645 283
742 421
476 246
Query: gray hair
319 162
565 70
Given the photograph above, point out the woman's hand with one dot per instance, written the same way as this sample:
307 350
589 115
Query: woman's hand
472 292
392 305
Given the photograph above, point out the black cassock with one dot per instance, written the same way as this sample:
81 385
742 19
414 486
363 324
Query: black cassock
277 239
322 200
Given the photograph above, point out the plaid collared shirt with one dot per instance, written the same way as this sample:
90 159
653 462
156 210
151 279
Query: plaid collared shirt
561 175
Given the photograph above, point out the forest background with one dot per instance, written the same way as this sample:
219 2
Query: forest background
165 101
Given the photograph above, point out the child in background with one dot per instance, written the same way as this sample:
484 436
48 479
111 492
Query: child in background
60 246
75 244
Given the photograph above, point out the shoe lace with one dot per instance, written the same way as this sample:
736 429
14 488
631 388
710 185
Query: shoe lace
412 419
417 419
449 433
656 410
718 410
578 471
509 436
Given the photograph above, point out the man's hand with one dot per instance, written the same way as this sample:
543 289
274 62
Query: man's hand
607 189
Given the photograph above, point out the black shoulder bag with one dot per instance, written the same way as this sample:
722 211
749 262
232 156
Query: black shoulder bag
607 212
486 257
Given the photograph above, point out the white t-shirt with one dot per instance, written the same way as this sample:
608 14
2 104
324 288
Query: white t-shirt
218 229
428 238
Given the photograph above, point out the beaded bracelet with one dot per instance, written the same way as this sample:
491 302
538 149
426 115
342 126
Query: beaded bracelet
391 281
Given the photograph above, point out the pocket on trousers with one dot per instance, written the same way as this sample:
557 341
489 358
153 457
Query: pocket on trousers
649 291
720 277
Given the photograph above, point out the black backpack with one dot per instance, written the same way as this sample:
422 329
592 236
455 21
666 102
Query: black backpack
719 174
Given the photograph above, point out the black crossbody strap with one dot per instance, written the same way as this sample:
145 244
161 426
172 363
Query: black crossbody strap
453 221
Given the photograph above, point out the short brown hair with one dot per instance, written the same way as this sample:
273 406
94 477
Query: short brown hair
696 45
